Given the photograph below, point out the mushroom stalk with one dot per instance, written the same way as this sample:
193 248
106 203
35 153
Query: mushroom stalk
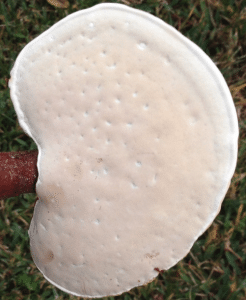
18 173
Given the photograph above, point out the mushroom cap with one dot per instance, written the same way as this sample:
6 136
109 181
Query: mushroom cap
137 137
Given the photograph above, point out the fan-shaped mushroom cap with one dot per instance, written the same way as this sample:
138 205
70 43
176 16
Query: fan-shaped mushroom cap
137 137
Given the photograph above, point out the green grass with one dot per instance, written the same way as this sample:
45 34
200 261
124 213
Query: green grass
215 267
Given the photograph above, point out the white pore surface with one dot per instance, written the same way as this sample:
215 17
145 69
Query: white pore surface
137 137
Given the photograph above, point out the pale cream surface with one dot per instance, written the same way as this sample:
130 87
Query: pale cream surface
137 137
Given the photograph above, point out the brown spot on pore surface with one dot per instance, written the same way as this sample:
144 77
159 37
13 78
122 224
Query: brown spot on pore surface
74 168
40 253
99 160
151 256
51 195
49 256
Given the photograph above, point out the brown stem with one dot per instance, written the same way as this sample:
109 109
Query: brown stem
18 173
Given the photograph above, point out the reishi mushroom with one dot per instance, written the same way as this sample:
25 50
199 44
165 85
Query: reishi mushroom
137 137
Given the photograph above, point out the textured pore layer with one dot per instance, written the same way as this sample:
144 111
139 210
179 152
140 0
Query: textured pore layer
137 138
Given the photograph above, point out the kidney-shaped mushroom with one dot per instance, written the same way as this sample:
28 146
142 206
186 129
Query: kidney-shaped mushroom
137 137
